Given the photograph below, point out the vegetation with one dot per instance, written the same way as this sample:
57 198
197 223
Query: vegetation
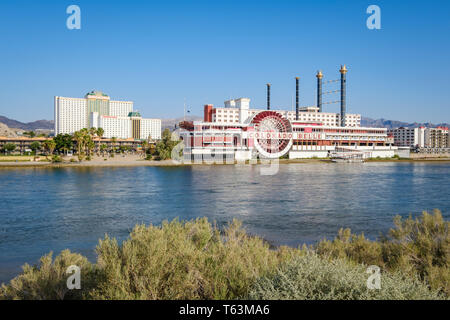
64 143
418 247
9 147
196 260
49 146
316 278
30 134
35 146
164 147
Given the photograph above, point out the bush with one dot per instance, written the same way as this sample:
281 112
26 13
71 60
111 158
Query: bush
419 247
196 260
190 260
56 159
315 277
47 280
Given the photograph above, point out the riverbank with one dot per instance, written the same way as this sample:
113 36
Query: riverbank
137 161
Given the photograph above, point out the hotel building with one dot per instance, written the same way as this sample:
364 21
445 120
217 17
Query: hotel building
421 137
96 109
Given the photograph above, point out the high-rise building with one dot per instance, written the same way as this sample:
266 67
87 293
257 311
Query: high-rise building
408 137
96 109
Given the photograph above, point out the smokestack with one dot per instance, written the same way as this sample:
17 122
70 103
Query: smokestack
343 71
296 98
319 76
268 96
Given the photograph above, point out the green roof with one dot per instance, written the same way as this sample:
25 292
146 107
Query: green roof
97 93
134 114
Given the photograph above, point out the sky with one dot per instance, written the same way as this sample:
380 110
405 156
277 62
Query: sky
162 53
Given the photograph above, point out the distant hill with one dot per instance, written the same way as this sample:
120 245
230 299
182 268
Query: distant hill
390 124
5 131
39 124
170 123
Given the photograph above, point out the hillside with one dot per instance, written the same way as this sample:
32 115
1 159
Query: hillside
6 132
390 124
39 124
170 123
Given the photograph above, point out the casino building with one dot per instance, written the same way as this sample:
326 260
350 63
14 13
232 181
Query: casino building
236 132
97 110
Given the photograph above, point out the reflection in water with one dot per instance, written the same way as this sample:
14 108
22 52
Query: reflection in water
58 208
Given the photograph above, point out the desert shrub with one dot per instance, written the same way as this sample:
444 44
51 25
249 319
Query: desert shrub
419 247
355 247
314 277
48 279
56 159
184 260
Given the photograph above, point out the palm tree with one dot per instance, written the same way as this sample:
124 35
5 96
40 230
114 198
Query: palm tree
80 138
50 146
93 132
113 143
144 147
103 147
100 132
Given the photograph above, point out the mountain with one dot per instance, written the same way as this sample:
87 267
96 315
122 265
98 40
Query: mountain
39 124
390 124
6 132
170 123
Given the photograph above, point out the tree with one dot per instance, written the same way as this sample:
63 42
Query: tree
50 146
64 142
35 146
9 147
144 147
80 138
30 134
103 148
100 132
113 143
165 146
93 132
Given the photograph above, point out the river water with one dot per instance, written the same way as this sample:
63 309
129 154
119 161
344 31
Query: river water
50 209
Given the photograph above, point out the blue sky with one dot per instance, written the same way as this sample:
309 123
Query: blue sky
156 53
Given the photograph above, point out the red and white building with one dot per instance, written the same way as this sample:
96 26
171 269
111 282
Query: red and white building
241 133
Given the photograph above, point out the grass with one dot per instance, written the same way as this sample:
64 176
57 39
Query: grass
196 260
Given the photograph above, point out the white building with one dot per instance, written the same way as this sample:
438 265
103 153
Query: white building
151 129
96 109
238 111
408 137
421 137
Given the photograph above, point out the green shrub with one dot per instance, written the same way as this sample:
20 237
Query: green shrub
48 279
314 277
56 159
189 260
419 247
196 260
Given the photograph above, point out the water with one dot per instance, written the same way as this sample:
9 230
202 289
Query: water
57 208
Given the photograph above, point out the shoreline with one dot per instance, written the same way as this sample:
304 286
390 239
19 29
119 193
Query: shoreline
133 162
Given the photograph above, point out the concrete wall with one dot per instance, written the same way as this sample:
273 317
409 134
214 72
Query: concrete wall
307 154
